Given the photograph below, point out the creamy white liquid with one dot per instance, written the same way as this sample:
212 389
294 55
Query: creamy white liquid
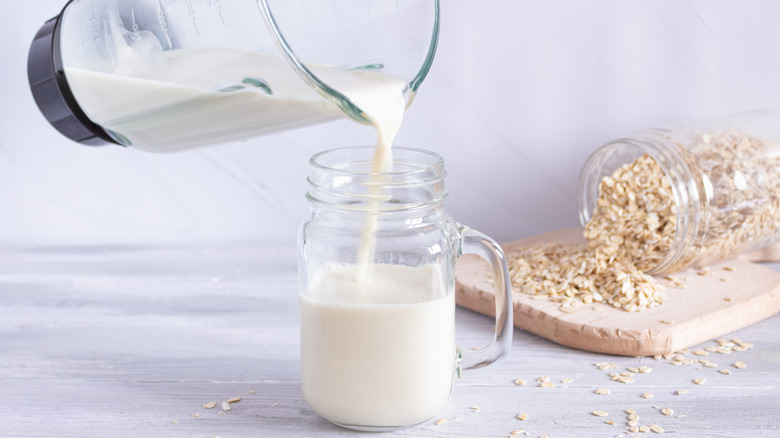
379 351
211 96
383 103
381 98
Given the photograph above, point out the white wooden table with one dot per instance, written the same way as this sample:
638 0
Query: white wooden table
131 342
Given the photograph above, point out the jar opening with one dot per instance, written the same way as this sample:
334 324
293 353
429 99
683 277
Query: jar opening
676 168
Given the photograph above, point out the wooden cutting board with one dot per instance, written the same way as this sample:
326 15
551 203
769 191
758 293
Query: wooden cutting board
707 308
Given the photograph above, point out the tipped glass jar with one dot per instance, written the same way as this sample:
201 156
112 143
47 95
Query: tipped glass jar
689 195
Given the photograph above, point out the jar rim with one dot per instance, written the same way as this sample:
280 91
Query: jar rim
658 145
436 160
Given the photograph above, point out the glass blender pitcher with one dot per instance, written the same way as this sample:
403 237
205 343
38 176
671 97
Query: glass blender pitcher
164 75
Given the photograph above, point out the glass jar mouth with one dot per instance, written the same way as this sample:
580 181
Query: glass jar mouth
343 178
671 158
338 160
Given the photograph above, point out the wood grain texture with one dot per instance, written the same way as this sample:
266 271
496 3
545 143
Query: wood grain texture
131 342
708 307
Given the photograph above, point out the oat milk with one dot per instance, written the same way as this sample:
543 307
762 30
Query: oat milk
223 95
380 350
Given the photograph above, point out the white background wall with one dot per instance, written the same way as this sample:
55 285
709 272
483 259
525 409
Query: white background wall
520 94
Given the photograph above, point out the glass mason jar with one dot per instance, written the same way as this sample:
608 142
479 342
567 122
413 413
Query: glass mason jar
721 178
378 333
164 75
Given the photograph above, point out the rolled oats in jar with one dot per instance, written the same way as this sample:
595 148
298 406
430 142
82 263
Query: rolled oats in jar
690 195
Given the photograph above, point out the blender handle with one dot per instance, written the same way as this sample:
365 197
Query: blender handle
474 242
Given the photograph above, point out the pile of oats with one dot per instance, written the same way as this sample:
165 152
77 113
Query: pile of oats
634 226
631 231
572 274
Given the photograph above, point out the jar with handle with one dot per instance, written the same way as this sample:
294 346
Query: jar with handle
378 334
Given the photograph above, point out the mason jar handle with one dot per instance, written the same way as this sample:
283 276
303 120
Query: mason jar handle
474 242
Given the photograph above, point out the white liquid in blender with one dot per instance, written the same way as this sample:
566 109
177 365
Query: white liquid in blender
223 95
378 351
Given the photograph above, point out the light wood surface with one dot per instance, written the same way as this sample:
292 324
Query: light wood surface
709 306
131 342
770 254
